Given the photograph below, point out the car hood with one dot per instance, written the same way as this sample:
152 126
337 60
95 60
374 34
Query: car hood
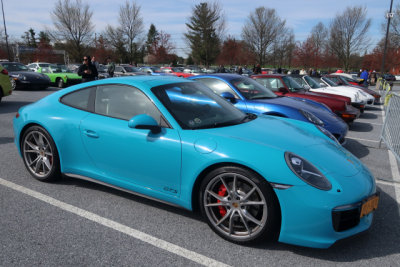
328 117
28 74
294 136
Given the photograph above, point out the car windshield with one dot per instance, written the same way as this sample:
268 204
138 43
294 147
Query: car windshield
194 106
332 81
59 68
131 69
312 83
250 89
292 84
319 81
44 65
15 67
177 69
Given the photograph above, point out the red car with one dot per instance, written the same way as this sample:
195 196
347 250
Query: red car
285 86
178 71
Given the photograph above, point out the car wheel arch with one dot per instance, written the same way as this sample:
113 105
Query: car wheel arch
206 171
27 126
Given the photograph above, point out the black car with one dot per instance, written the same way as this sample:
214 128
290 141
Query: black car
22 77
389 77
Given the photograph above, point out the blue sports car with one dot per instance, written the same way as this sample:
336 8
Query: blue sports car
176 141
250 96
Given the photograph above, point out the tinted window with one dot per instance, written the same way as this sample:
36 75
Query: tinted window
124 102
217 86
292 84
251 89
194 106
78 99
15 67
272 83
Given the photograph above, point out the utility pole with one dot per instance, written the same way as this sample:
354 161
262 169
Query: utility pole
5 31
388 16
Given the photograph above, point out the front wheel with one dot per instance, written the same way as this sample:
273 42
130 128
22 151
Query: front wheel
13 84
40 154
239 205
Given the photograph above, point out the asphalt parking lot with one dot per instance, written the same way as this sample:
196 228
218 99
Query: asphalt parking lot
77 223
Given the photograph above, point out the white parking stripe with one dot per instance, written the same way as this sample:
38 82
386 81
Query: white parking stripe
360 139
159 243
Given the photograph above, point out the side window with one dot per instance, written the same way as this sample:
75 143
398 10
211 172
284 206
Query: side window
274 84
217 86
78 99
118 69
124 102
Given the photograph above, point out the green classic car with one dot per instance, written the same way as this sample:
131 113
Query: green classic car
60 75
5 84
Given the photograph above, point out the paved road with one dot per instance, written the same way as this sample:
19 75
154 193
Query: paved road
73 222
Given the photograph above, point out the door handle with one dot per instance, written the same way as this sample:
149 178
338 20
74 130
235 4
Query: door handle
91 133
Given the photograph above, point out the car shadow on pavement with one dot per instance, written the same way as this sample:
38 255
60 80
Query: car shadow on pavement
12 106
361 127
6 140
368 115
359 150
66 180
382 239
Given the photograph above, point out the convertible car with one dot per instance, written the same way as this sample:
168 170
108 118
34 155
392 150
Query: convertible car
250 96
60 75
174 140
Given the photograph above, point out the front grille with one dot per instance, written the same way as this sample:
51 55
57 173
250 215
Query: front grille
345 219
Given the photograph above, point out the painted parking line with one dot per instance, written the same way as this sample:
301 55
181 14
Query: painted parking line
156 242
360 139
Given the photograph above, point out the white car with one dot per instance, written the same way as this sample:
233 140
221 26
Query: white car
36 65
331 85
350 76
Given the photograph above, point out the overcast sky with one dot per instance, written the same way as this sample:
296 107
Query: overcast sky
171 16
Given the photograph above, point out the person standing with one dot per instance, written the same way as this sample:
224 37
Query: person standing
110 67
364 76
96 64
87 70
257 69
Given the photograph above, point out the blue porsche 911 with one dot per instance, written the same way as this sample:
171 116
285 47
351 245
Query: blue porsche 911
178 142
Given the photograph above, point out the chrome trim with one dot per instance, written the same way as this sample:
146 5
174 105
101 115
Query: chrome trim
280 186
85 178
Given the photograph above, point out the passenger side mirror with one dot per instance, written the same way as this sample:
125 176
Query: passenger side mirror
229 96
146 122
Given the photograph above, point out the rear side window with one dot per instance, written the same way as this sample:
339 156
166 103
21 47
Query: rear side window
78 99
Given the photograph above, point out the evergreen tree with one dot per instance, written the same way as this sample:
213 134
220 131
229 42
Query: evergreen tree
203 35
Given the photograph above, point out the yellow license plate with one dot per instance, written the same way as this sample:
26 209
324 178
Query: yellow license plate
369 206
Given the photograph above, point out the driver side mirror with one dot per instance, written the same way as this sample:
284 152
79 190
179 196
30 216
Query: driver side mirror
146 122
283 90
229 96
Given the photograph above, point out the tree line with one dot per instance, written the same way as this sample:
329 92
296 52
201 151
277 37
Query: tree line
265 39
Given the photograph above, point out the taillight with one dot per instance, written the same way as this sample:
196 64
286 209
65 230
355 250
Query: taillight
17 115
4 71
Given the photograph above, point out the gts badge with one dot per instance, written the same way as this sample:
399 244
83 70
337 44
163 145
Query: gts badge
171 190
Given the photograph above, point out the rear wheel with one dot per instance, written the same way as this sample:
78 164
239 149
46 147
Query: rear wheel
40 154
239 205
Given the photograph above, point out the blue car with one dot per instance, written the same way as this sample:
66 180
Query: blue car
249 96
175 141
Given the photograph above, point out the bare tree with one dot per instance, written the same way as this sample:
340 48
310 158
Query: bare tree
348 34
74 27
261 29
131 26
394 30
282 48
319 39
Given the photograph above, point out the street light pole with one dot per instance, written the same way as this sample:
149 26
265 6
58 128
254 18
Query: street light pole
5 31
389 16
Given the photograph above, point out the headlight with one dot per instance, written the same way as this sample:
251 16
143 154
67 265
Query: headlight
312 118
307 172
328 133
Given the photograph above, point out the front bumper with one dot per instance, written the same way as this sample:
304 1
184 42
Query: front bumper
34 84
307 213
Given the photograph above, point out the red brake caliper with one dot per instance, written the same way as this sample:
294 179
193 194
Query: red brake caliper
222 193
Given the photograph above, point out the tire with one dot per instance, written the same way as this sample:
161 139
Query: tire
239 205
60 83
40 154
